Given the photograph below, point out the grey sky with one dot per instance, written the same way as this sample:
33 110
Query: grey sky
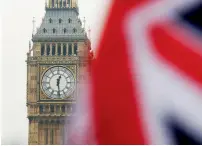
16 33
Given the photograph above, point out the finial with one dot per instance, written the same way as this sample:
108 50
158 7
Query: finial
46 4
89 32
33 31
29 45
84 23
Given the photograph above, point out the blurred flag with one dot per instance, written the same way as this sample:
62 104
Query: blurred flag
146 82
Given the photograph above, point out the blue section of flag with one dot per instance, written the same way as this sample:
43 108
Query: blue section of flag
181 135
193 16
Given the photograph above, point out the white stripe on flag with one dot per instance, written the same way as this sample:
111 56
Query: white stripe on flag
81 124
163 90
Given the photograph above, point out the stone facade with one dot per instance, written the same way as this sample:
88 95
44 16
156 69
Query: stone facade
59 41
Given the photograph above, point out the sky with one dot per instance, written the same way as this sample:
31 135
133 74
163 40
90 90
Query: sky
16 31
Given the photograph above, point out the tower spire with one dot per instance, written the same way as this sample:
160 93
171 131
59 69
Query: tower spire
29 45
84 23
89 33
33 29
46 4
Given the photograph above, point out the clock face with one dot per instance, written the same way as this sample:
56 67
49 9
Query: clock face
58 82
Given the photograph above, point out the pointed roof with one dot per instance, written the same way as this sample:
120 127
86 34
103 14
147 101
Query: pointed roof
60 24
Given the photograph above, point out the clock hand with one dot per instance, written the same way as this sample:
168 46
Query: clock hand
58 81
58 84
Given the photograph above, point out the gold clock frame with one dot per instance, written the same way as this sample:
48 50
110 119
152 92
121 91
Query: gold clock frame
43 68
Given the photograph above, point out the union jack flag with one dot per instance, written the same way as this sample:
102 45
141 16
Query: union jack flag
146 83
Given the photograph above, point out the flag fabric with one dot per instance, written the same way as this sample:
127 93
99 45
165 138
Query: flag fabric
146 82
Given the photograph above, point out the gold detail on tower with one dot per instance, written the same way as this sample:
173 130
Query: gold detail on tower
62 4
47 115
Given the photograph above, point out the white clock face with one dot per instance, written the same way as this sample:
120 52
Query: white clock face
58 82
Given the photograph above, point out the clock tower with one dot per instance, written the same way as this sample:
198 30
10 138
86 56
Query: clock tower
54 67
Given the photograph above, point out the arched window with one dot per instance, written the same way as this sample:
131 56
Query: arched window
59 49
53 49
64 3
47 109
60 3
74 30
52 109
48 50
57 4
50 20
53 3
42 49
68 2
70 49
57 109
52 137
64 49
44 30
63 108
41 109
70 20
46 135
54 30
60 20
75 48
65 30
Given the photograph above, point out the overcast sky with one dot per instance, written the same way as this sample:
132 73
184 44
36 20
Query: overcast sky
16 33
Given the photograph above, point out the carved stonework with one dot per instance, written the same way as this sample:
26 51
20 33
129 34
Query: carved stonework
47 115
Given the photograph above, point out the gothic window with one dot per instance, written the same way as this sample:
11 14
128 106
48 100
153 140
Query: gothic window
53 3
48 50
64 3
57 108
50 20
65 30
46 136
52 136
70 20
47 109
54 30
70 49
41 109
52 109
60 20
59 49
64 49
62 139
74 30
63 108
53 49
42 49
60 3
75 48
44 30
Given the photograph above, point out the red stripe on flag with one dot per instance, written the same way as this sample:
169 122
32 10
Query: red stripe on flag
116 105
183 57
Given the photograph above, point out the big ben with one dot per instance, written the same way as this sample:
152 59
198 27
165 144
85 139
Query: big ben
54 64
